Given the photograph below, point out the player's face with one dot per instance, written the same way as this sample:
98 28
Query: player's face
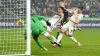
61 4
60 10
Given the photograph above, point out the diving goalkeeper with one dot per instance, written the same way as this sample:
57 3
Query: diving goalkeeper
38 28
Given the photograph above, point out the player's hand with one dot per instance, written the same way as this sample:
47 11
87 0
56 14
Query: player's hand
61 4
48 23
49 10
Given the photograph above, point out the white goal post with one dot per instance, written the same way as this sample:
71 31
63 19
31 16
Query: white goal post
12 41
28 51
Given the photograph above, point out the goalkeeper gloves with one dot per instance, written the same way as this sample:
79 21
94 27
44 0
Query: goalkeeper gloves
48 23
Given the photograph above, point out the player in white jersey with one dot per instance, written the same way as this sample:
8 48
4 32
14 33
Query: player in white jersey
68 28
55 19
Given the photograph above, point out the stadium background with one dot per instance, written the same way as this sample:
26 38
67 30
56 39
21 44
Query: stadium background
11 11
91 10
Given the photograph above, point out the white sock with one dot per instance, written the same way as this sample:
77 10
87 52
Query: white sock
73 39
59 38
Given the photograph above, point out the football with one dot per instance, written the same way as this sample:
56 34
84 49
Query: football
20 22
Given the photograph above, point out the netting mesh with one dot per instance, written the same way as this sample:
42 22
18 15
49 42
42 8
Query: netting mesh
12 35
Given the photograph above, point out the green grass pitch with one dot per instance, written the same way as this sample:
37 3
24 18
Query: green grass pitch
89 37
12 41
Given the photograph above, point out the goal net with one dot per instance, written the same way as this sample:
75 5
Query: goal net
11 34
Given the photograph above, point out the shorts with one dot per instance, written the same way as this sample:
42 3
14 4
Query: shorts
37 31
67 28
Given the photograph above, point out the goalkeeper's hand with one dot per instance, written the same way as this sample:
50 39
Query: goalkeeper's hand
48 23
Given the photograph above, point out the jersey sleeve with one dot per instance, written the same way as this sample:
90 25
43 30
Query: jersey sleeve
42 18
38 17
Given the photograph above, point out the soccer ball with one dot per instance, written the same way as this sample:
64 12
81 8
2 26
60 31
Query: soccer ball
20 22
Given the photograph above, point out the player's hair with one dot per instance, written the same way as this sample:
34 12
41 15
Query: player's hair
62 8
81 8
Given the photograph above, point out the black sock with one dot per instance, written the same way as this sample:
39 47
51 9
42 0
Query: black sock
57 36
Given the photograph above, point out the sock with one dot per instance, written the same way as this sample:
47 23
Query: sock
40 45
73 39
52 38
57 35
59 38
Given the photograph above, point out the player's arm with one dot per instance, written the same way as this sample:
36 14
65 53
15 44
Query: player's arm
54 12
43 18
70 10
75 21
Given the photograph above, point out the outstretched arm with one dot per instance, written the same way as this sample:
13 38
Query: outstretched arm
42 18
76 21
54 12
69 10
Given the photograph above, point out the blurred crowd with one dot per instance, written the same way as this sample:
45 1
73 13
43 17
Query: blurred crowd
12 9
17 8
91 7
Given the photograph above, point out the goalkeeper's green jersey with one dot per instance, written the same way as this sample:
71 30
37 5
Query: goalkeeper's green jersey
37 26
36 21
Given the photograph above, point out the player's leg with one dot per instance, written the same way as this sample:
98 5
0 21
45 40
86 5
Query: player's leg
76 28
51 38
69 34
59 37
49 29
62 30
59 34
48 35
39 44
35 34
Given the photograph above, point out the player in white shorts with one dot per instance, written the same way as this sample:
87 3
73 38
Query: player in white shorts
55 19
68 28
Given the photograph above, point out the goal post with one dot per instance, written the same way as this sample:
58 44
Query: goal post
28 46
12 40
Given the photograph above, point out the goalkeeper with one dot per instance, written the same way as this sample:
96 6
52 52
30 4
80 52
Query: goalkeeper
38 28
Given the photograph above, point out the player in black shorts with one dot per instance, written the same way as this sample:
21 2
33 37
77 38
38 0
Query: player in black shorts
65 19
